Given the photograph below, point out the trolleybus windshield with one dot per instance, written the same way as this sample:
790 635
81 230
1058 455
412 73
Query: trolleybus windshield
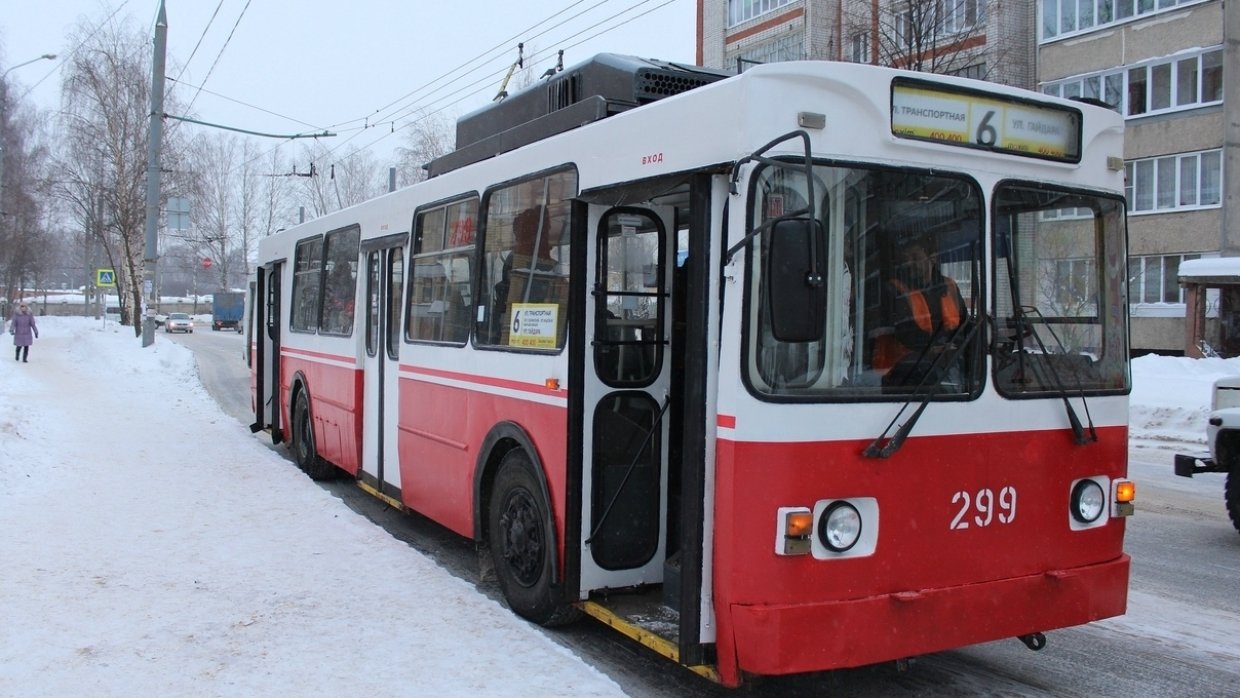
901 280
1060 324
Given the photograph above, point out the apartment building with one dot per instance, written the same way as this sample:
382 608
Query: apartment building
984 39
1164 65
1161 63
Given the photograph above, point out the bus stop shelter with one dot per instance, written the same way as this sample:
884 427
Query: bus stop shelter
1197 276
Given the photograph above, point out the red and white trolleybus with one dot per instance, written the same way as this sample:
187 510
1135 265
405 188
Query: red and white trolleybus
652 336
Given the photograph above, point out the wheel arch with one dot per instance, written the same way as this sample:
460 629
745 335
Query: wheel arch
297 384
503 438
1227 448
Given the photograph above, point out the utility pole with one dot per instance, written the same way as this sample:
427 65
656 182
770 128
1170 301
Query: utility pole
152 175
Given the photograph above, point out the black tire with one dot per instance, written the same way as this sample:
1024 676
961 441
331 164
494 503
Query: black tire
1231 495
522 544
304 452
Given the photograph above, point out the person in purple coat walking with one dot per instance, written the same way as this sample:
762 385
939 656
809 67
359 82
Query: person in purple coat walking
24 330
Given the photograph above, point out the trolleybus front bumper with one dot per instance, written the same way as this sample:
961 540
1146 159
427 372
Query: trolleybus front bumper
796 638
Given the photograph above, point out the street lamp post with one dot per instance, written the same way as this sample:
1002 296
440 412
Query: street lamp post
44 57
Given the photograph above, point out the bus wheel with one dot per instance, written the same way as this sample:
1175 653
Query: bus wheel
304 453
1231 494
521 544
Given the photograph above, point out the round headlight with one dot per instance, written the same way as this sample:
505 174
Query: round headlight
839 527
1088 501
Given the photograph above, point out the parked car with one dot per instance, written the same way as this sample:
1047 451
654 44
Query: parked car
179 322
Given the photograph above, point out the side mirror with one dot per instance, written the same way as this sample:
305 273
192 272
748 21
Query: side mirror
795 278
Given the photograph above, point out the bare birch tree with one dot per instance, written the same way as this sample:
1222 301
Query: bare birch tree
428 136
101 172
23 196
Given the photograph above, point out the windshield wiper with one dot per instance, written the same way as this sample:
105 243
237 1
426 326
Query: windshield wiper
1022 315
879 448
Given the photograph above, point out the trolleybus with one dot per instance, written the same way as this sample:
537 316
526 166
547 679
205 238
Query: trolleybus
647 337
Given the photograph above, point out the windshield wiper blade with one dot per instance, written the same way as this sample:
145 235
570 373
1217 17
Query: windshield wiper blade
879 448
1078 429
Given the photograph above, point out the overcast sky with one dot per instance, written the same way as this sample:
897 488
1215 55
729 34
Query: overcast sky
282 67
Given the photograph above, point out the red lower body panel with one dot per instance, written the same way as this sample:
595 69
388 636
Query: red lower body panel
794 638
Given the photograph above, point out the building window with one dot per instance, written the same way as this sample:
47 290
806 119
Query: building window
1156 279
1170 84
740 11
977 71
955 16
1064 17
786 48
860 47
1191 180
1074 283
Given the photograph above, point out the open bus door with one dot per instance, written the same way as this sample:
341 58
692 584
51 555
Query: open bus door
265 362
646 410
627 396
385 274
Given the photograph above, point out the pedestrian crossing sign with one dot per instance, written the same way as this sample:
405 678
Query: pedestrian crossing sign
105 278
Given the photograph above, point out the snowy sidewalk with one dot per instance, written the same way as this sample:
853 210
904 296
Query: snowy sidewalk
154 547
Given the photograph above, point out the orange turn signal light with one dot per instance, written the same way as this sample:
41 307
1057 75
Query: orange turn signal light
1125 491
552 384
798 524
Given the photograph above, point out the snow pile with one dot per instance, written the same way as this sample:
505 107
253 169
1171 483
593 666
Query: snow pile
154 547
1170 400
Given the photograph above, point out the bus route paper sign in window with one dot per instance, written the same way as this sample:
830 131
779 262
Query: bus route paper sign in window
534 325
971 119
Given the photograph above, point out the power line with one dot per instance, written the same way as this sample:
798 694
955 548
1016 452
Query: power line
200 88
428 110
201 36
412 109
221 52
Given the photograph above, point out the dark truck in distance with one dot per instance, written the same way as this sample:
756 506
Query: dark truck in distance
227 309
1223 435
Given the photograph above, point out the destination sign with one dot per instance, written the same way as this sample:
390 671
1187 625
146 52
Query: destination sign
971 119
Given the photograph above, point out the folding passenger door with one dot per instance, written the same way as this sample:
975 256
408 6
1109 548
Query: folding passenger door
626 396
265 360
385 274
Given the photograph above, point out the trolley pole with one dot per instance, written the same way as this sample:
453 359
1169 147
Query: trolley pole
155 138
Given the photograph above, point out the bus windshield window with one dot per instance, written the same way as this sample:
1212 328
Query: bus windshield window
901 280
1060 324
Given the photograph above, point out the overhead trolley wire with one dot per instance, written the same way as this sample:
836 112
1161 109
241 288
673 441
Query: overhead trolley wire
547 53
410 112
197 45
223 48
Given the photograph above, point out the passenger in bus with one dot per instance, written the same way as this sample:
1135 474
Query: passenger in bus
338 304
925 313
529 260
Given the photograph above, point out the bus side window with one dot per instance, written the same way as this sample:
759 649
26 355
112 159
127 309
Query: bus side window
525 264
439 297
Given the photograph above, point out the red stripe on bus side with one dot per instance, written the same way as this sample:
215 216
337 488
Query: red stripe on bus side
317 354
484 380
